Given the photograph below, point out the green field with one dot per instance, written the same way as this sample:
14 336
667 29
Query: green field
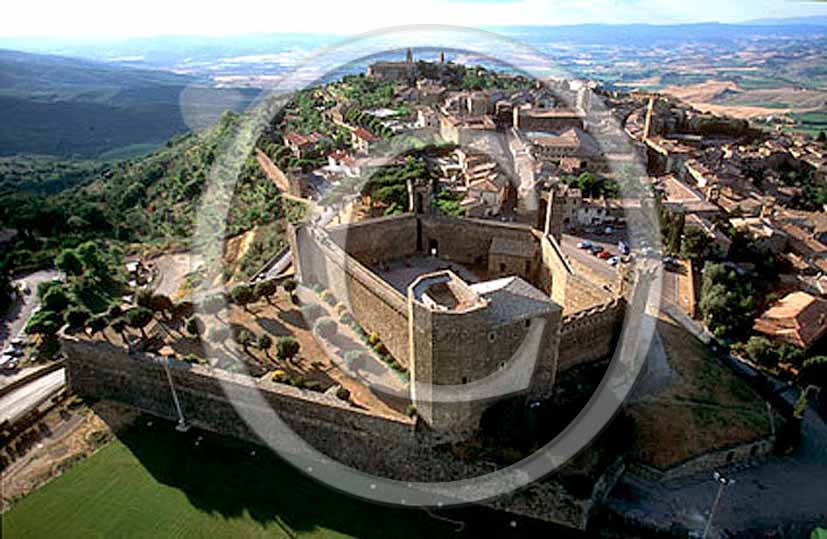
154 482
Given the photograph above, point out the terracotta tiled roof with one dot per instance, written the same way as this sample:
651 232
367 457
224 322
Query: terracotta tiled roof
799 318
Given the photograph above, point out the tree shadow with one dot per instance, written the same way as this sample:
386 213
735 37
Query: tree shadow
294 318
239 480
274 327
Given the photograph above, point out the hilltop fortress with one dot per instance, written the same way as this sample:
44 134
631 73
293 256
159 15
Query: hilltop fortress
425 282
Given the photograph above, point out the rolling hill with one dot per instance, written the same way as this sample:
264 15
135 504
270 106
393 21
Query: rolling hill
67 107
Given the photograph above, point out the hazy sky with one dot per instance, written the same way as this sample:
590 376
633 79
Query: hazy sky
105 18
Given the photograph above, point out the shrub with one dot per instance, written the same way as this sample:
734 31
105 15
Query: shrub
245 338
143 298
380 349
290 286
328 298
762 351
265 342
410 410
325 328
242 295
317 288
340 309
373 338
347 320
287 347
343 393
265 289
279 376
76 317
114 312
313 385
138 318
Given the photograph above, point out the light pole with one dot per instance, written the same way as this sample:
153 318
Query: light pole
722 483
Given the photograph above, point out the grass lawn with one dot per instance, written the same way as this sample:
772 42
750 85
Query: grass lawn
154 482
706 406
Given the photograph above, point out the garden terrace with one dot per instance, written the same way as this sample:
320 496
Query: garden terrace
311 368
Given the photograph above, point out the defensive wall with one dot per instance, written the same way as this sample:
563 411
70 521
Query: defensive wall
339 258
590 335
397 448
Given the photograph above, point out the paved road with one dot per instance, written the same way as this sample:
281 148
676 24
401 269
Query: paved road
768 493
586 258
278 267
20 401
22 311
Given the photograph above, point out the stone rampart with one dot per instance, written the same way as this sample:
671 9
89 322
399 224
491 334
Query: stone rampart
590 335
399 449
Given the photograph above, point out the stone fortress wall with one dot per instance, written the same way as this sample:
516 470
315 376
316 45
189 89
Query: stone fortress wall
590 335
339 259
396 448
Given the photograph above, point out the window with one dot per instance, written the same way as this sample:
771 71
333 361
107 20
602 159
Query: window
528 323
464 380
492 337
502 267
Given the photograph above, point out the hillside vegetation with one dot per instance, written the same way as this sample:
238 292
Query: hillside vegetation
151 200
65 107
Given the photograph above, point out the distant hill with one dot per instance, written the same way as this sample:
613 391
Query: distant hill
67 107
792 21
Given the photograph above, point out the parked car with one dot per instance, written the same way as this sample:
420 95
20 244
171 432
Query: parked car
596 249
614 261
609 230
7 363
585 244
12 351
604 255
623 247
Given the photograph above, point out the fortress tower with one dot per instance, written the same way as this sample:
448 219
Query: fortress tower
471 345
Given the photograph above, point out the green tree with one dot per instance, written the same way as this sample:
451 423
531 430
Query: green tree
69 263
245 338
119 325
762 351
695 245
287 348
138 318
161 304
290 286
56 300
812 378
266 289
98 323
76 318
265 342
822 136
242 295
